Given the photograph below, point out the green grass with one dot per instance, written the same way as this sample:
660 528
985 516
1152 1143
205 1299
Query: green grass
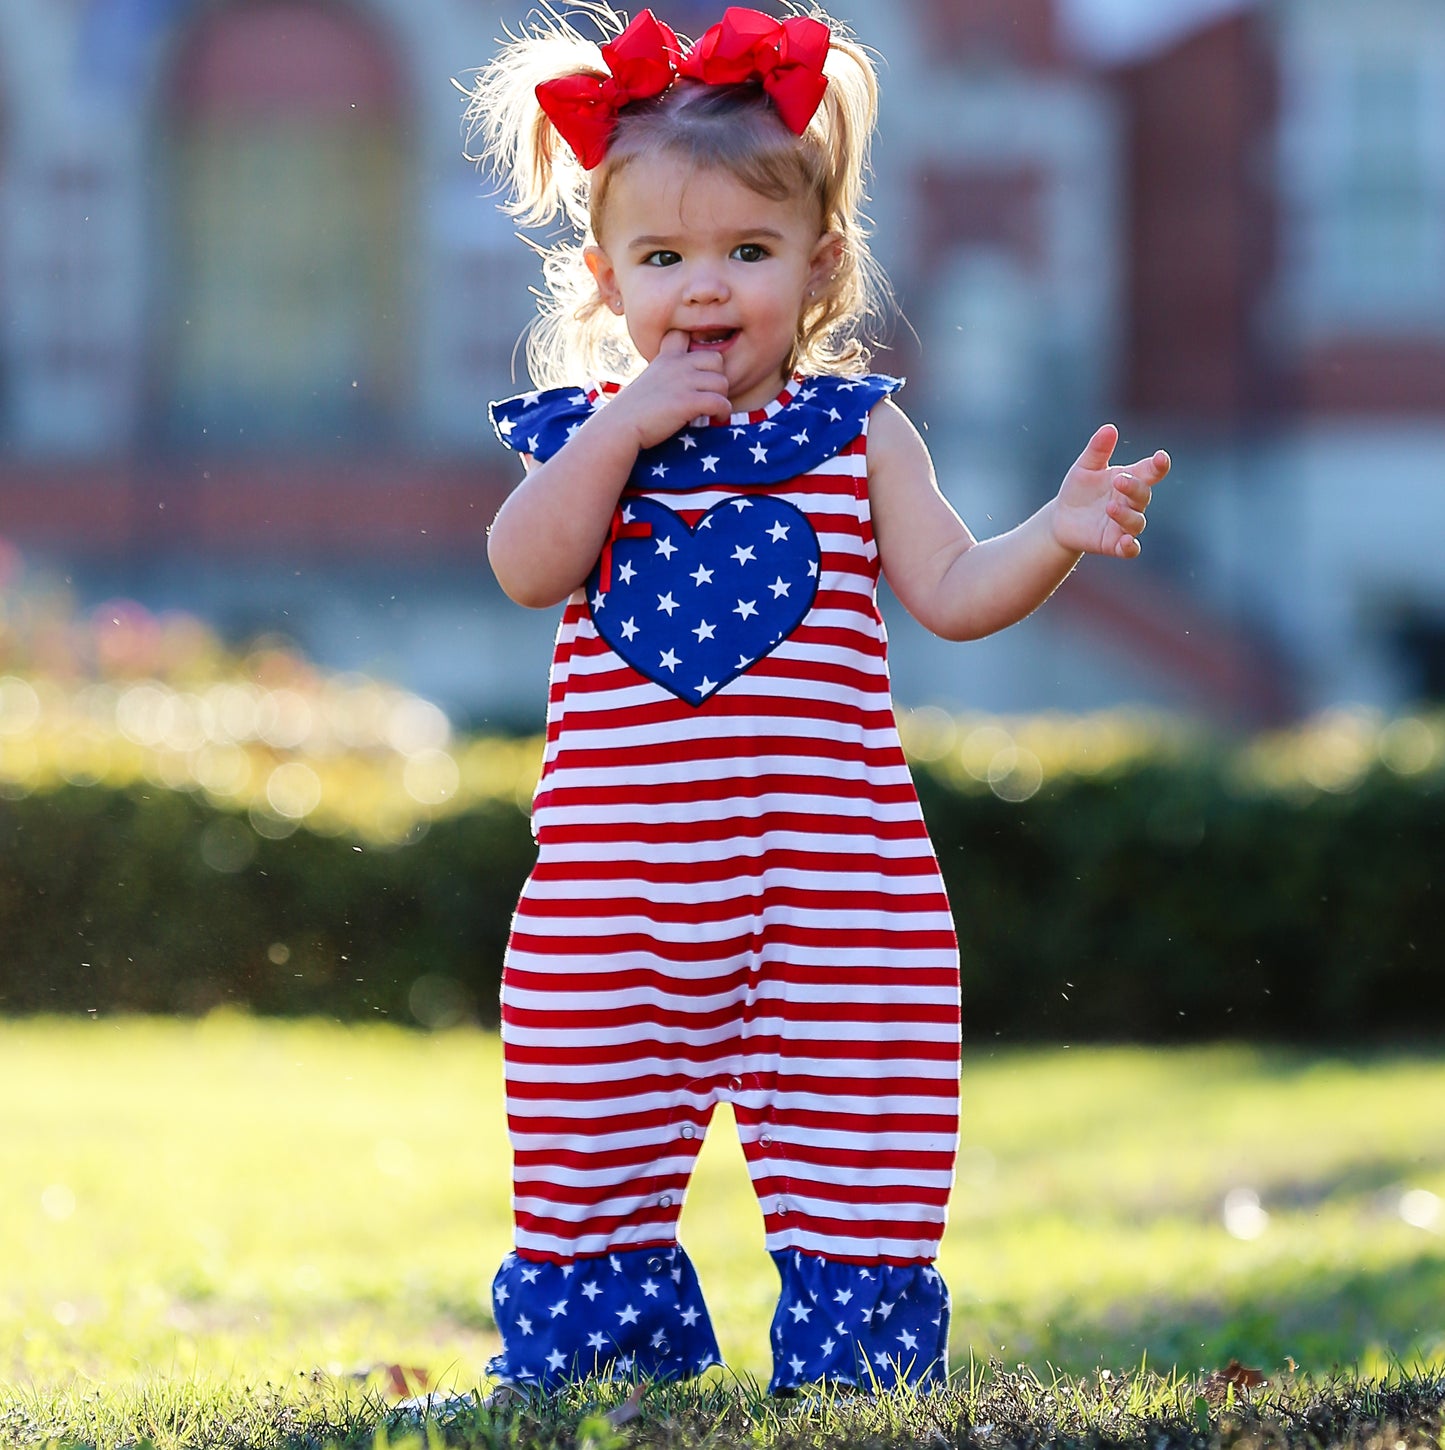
227 1223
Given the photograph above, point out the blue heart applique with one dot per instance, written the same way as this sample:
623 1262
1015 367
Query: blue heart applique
695 606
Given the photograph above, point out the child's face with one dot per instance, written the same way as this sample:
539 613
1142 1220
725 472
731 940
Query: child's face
700 252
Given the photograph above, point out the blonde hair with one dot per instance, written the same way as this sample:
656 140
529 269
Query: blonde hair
729 128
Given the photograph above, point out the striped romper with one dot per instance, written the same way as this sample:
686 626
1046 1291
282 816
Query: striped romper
735 899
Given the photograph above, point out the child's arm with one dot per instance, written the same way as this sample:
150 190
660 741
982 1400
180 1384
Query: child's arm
963 588
547 535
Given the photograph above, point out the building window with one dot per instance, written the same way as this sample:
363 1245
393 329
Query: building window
282 277
1364 170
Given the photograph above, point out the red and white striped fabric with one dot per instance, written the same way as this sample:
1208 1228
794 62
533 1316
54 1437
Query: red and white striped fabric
735 898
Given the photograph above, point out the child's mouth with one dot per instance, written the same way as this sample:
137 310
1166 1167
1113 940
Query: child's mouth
711 339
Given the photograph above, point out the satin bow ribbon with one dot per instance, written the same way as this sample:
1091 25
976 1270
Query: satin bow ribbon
643 62
786 56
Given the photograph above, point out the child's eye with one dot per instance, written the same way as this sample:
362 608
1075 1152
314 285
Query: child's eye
750 252
661 259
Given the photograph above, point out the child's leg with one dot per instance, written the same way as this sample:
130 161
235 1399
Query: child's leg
607 1106
851 1146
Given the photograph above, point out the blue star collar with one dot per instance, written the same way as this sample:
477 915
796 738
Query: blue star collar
809 422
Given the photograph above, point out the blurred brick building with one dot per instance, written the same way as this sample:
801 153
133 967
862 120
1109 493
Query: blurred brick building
254 302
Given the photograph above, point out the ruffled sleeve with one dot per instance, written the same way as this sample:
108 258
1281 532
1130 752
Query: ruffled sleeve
539 423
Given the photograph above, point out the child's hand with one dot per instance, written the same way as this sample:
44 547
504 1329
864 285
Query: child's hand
673 389
1100 509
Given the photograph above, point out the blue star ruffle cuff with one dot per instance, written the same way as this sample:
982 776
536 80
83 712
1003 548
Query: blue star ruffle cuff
634 1312
871 1326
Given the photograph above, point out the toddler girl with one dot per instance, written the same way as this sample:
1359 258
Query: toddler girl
735 898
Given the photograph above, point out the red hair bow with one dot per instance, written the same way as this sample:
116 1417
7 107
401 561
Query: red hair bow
786 56
583 107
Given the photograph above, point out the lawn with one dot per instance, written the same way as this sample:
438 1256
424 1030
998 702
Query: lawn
256 1201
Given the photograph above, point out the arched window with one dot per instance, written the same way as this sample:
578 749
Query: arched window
281 293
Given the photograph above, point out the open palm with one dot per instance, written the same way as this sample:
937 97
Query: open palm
1100 507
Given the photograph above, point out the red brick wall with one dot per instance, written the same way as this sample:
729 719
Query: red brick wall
1202 223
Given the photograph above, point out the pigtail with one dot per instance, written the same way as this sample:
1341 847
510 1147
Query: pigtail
573 335
508 131
835 330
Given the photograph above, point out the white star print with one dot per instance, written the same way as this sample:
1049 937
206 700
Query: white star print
568 1270
828 1345
615 1262
746 607
556 1359
738 432
628 1315
530 400
808 394
688 442
505 427
742 503
847 387
701 575
690 1316
743 660
591 1290
629 628
801 437
843 1296
573 430
743 555
669 661
659 1339
705 631
839 1328
779 588
778 532
659 470
709 465
595 1340
931 1275
650 1288
578 400
627 515
598 600
907 1340
884 1310
800 1312
559 1308
835 415
796 1365
524 1324
705 685
666 547
529 1276
533 443
626 574
502 1294
760 454
881 1360
667 602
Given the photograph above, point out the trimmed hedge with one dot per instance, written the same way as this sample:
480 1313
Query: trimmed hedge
1171 893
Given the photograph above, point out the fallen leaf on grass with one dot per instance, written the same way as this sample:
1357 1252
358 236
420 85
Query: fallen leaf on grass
403 1381
627 1411
1218 1383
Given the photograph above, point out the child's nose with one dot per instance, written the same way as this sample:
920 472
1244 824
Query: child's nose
706 284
